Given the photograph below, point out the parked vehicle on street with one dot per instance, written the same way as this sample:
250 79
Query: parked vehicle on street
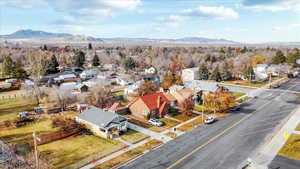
155 122
235 108
210 120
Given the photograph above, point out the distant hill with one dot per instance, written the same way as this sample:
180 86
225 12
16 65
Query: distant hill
28 34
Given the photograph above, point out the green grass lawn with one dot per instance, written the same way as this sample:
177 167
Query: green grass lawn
67 151
291 148
133 136
125 157
246 98
23 134
9 108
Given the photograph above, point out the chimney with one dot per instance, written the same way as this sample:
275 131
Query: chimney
158 102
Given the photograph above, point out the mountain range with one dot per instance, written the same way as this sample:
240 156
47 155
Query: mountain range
33 35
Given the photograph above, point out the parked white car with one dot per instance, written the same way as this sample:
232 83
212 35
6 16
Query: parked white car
155 122
209 120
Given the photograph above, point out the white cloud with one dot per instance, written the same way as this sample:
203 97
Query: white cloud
89 10
171 20
272 5
217 12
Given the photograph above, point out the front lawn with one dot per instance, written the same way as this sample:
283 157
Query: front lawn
181 116
244 99
238 94
298 127
125 157
171 134
64 152
9 108
291 148
133 136
24 134
190 126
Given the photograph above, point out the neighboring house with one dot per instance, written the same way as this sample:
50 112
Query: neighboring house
88 74
176 87
150 70
102 123
182 95
132 89
81 87
153 78
261 71
190 74
73 86
124 80
154 105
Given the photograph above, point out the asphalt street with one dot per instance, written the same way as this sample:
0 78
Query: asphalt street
227 143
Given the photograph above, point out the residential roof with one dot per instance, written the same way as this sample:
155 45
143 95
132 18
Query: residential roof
100 117
151 100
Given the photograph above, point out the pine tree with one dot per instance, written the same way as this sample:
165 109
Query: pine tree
7 66
203 72
292 57
129 63
225 73
95 61
90 46
79 58
53 65
279 58
215 75
249 73
45 47
18 71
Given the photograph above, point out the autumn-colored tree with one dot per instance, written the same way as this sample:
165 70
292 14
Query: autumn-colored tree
187 106
257 59
99 97
146 88
177 65
171 79
219 100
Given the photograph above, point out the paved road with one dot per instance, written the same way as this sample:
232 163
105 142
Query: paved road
227 143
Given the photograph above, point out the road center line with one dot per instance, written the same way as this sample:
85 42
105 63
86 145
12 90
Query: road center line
215 137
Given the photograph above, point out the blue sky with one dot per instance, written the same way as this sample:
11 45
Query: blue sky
240 20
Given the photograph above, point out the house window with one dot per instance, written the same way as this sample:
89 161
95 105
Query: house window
102 130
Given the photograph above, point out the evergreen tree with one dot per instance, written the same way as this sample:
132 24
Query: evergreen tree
53 65
79 58
292 57
225 73
279 58
90 46
249 73
129 63
203 72
18 71
45 47
244 50
7 66
95 61
215 75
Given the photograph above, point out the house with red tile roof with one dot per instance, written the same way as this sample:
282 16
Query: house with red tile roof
154 105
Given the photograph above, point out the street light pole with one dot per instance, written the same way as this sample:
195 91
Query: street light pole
35 151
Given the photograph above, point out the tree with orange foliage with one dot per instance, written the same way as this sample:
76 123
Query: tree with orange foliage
171 79
220 100
187 106
146 88
257 59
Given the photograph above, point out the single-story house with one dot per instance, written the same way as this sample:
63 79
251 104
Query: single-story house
88 74
182 95
190 74
102 123
154 105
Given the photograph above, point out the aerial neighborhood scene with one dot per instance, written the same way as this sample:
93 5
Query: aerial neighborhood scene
149 84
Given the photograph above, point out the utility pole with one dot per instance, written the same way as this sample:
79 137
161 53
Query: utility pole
35 151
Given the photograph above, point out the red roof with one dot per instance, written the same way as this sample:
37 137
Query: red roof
151 100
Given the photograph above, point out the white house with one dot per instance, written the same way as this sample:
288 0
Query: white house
190 74
88 74
151 70
132 89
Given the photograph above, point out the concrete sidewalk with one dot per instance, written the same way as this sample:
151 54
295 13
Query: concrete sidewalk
268 151
155 135
116 154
